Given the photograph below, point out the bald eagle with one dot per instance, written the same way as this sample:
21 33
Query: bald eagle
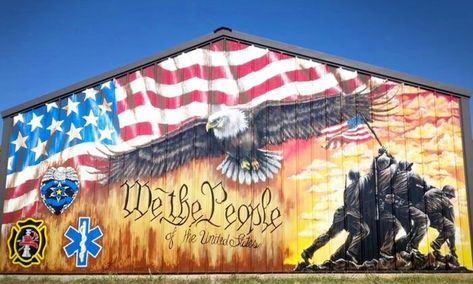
240 135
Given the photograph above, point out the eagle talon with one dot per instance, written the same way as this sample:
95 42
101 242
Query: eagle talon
245 165
255 164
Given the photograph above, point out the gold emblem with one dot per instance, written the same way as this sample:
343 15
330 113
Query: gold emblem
27 242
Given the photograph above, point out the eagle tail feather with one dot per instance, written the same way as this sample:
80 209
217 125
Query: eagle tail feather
241 176
254 176
247 176
269 165
230 169
223 166
267 172
261 175
235 174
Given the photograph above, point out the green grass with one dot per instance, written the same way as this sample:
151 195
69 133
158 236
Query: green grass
247 279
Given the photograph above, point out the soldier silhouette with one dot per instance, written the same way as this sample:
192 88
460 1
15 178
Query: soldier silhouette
407 198
346 217
440 210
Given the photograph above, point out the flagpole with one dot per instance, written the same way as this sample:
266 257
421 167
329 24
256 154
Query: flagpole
375 168
372 131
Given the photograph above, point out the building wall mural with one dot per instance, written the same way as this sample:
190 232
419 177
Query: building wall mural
237 158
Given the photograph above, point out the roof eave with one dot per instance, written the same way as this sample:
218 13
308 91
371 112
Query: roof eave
255 40
114 73
351 64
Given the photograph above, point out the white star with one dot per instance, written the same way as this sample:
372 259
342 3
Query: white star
105 133
50 106
90 119
105 106
74 133
40 149
36 122
90 94
55 126
20 141
106 85
18 118
71 107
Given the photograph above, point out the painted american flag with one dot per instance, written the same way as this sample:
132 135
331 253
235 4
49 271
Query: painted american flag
131 110
60 133
352 130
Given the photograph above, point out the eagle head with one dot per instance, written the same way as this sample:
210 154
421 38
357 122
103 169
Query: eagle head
227 123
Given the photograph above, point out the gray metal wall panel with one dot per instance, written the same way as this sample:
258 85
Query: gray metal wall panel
7 127
468 157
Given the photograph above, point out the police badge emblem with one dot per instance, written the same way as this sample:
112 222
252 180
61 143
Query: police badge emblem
59 188
27 242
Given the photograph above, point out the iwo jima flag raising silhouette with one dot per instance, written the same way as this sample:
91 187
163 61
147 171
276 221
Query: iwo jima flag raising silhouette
241 133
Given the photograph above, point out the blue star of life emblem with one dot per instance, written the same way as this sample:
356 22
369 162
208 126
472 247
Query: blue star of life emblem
83 241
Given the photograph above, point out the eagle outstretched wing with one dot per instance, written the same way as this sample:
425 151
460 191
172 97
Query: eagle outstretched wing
279 121
274 121
165 154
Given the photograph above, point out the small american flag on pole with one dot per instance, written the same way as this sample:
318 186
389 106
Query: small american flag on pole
352 130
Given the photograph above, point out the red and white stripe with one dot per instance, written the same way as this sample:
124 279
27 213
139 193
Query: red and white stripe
337 135
22 188
161 98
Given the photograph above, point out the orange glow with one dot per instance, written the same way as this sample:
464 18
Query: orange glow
424 129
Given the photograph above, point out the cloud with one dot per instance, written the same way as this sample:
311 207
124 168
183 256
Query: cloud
317 170
321 188
308 174
389 124
311 216
449 159
426 131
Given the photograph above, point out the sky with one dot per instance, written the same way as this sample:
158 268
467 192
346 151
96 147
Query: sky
48 45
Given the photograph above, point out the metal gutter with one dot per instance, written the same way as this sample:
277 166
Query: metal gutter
7 128
467 159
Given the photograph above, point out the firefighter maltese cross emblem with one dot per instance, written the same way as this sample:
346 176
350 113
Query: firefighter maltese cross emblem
83 241
59 188
27 242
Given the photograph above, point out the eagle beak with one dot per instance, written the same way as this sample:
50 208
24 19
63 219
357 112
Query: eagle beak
210 125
